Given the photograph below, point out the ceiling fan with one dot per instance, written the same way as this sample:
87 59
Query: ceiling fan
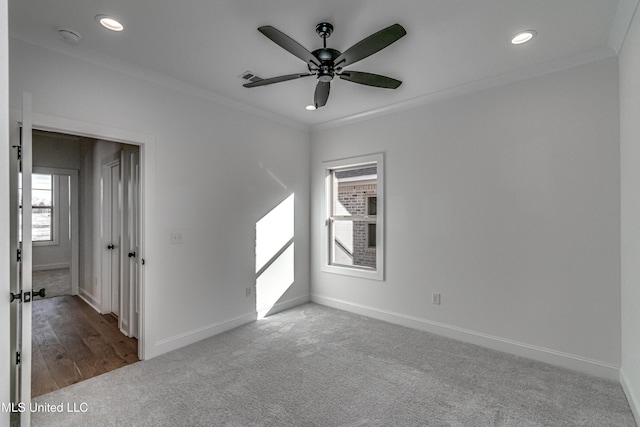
325 63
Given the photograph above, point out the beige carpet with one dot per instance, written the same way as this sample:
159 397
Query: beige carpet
316 366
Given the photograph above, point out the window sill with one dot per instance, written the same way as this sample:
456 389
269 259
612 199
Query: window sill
364 272
45 243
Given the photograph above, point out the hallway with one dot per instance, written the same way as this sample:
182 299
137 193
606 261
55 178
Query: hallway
72 342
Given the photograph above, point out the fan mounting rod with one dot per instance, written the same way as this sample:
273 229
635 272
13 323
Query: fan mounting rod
324 30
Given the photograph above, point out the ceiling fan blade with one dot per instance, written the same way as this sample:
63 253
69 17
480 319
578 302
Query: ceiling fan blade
370 45
322 94
288 44
370 79
273 80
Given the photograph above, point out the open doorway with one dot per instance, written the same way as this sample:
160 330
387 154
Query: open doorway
86 228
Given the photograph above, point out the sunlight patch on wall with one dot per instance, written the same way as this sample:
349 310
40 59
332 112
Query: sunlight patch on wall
274 281
274 231
274 255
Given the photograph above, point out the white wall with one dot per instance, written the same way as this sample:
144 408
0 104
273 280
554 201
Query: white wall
210 172
630 185
505 201
4 207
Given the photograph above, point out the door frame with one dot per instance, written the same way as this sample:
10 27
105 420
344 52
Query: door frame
22 324
50 123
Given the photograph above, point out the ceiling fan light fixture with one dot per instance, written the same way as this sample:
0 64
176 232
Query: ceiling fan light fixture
310 107
110 23
523 37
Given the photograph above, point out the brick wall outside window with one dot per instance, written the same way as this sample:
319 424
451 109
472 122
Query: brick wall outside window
354 199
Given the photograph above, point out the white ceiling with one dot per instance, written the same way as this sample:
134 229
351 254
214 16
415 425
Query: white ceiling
204 45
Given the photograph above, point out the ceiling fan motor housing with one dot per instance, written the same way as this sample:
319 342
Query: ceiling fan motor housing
326 56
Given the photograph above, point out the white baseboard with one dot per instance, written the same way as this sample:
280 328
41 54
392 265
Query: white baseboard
181 340
541 354
54 266
184 339
283 305
632 398
89 299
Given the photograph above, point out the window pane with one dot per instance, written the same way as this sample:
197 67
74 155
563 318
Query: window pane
42 202
41 198
41 224
350 246
42 190
41 182
351 189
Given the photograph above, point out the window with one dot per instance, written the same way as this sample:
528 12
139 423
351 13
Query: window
42 201
354 217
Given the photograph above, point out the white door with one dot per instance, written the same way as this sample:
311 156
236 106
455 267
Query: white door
111 229
128 321
115 239
130 267
20 274
133 215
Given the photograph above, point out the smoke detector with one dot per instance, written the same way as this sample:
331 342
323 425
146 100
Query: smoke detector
70 36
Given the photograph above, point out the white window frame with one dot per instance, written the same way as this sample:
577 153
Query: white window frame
55 210
55 213
328 168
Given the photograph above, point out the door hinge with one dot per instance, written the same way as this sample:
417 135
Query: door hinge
18 358
17 296
19 257
19 151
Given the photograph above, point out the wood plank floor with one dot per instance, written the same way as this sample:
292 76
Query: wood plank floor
72 342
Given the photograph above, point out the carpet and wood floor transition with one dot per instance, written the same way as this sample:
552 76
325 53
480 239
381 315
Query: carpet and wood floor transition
317 366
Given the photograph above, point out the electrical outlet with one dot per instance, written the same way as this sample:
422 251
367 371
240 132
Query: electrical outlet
435 299
176 238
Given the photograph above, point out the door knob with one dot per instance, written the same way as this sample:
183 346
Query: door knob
40 293
110 247
132 254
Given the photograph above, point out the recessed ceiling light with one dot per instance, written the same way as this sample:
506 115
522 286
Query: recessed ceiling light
523 37
310 107
109 23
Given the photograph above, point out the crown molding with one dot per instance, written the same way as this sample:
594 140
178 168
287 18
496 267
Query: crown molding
624 14
119 66
474 86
